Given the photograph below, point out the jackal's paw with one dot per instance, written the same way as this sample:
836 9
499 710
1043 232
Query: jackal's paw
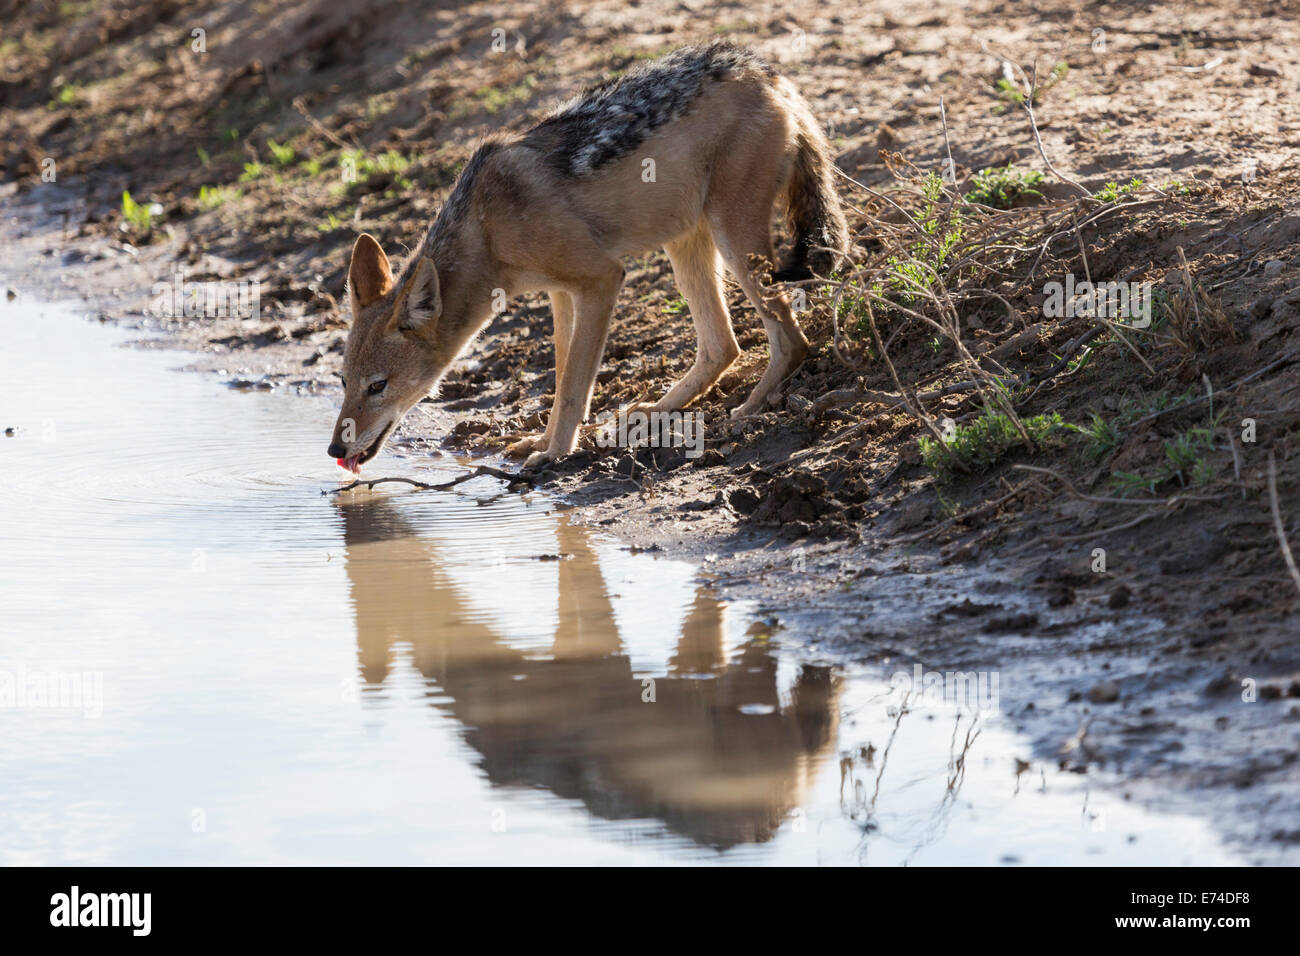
540 459
747 410
525 446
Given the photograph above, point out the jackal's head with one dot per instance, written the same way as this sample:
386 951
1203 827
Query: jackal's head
392 359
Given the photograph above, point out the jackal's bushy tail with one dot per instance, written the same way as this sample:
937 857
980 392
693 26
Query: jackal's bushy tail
821 234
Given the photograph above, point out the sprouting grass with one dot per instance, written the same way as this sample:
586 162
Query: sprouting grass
211 197
1129 485
1185 457
252 170
1098 436
66 95
1009 92
1000 187
1114 192
283 155
137 216
364 167
204 158
330 224
911 273
1186 460
987 440
1132 410
916 272
494 99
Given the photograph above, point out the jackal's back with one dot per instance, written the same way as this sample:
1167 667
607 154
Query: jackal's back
612 119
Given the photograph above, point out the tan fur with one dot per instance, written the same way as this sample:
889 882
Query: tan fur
719 171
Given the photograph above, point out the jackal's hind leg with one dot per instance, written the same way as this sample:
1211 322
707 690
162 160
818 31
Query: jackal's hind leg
786 340
694 258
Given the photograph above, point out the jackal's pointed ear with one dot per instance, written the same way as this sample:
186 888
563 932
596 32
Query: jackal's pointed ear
420 303
369 276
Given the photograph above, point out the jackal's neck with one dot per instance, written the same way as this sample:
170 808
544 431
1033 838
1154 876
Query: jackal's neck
469 286
467 272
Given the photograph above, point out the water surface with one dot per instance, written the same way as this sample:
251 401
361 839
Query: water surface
204 660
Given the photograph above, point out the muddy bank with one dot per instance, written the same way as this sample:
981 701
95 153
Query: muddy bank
826 510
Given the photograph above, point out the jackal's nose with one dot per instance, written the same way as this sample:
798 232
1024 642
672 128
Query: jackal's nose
338 450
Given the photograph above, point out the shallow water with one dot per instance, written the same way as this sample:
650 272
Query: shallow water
205 660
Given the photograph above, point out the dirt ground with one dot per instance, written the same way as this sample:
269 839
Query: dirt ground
1169 661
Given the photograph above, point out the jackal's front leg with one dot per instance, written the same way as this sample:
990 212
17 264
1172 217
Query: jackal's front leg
593 302
562 313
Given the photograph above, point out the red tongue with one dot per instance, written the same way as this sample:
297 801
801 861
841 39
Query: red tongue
342 462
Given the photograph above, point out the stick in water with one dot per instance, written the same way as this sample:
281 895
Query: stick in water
438 486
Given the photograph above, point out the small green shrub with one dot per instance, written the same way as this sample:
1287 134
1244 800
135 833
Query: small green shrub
988 439
1000 187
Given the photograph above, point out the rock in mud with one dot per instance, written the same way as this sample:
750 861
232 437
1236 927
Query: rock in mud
1107 692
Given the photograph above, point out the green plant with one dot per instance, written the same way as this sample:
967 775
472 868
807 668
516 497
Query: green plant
1185 457
1098 435
986 440
1009 90
913 269
137 216
251 171
283 155
1000 187
1114 192
1127 484
210 197
1186 460
204 158
66 95
364 167
916 272
494 99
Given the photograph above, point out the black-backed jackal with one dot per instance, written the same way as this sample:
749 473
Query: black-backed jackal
691 152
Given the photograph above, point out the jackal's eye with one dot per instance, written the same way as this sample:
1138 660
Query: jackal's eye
377 388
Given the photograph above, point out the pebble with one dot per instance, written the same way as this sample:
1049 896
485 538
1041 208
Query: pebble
1107 692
